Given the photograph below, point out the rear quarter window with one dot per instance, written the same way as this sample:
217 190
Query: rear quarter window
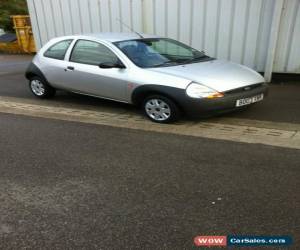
58 50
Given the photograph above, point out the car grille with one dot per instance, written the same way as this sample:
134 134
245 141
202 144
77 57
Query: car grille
245 88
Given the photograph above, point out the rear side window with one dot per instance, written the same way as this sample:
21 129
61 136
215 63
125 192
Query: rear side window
58 50
89 52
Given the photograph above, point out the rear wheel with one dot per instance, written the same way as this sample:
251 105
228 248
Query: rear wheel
40 89
161 109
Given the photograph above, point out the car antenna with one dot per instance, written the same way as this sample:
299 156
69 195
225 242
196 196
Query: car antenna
128 27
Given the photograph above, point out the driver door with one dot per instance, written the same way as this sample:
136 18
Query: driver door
83 74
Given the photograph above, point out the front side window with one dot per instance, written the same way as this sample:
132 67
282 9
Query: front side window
159 52
58 50
94 53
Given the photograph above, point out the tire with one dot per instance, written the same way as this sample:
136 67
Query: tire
160 109
40 88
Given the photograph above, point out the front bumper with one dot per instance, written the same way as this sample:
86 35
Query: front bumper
208 107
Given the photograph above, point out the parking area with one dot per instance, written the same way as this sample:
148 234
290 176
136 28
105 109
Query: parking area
78 172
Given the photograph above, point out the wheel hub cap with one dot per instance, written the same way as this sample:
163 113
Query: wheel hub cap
37 87
158 109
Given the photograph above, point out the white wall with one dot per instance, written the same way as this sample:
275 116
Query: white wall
287 58
237 30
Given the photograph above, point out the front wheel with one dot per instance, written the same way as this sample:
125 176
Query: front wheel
41 89
161 109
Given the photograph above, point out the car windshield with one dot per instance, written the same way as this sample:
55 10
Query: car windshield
159 52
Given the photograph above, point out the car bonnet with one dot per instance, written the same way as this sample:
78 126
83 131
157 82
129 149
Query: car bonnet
220 75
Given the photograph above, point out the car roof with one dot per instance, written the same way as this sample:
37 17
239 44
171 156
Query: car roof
113 36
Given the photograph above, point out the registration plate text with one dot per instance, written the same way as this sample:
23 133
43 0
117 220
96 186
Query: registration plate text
249 100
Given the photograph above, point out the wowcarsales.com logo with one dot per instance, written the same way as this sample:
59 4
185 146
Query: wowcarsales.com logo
210 241
242 241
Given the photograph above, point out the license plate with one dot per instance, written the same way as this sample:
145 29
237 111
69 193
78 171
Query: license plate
249 100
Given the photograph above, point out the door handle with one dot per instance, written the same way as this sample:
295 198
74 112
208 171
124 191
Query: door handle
69 68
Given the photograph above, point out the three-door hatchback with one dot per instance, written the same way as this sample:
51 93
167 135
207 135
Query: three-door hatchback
165 77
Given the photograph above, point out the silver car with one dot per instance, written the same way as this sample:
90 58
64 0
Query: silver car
163 76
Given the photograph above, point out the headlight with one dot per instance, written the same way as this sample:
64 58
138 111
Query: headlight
196 90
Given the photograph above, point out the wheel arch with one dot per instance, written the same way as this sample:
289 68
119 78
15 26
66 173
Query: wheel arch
33 71
140 93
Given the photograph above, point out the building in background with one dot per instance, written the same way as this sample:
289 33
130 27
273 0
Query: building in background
262 34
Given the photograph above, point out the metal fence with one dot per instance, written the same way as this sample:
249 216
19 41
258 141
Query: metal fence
262 34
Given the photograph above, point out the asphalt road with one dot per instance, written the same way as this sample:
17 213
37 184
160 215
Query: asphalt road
68 185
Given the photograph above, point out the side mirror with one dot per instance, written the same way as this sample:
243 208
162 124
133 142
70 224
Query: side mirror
109 65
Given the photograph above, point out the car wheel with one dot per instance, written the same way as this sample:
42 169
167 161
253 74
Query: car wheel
161 109
41 89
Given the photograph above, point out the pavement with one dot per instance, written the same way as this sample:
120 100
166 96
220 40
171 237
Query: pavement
78 172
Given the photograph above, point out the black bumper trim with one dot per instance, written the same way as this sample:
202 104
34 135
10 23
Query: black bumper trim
205 107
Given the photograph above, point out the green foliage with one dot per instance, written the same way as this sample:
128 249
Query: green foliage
8 8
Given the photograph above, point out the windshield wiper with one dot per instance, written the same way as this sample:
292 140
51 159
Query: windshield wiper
180 61
195 59
167 63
